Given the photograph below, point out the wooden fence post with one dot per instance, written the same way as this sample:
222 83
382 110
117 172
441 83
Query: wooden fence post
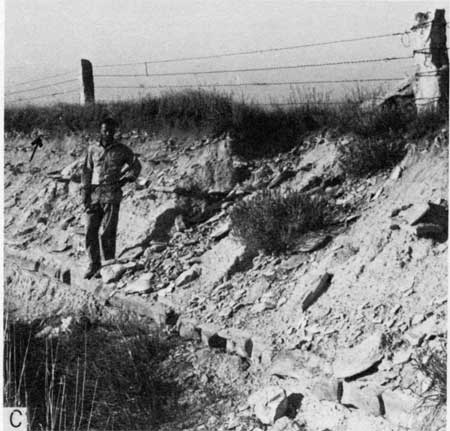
431 58
87 96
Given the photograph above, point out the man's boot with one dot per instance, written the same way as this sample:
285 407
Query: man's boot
93 270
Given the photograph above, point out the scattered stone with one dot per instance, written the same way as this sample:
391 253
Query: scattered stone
257 290
67 221
210 336
425 213
226 257
364 398
269 404
132 253
397 211
157 247
402 356
187 276
400 407
238 342
431 326
297 365
268 302
378 193
396 173
221 231
62 243
312 295
188 329
352 218
141 285
280 178
26 230
353 361
286 424
142 183
178 224
293 262
327 389
323 415
270 274
313 242
111 273
416 319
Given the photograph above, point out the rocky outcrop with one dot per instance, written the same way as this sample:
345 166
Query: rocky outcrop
223 259
353 361
269 404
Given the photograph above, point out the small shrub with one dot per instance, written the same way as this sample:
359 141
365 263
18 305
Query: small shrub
366 156
271 221
427 122
434 367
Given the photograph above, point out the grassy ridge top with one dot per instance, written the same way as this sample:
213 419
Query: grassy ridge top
256 129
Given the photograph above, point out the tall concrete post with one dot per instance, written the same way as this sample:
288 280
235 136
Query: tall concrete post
431 58
87 96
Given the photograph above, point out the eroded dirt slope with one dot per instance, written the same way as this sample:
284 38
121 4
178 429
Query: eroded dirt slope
379 273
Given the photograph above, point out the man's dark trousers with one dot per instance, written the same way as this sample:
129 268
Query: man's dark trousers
108 213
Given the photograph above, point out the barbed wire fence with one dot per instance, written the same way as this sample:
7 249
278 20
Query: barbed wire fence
24 92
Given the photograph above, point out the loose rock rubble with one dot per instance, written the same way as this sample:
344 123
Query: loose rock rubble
336 322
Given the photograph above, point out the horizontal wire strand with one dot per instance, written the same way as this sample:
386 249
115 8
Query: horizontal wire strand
40 87
255 69
255 51
20 99
245 84
43 79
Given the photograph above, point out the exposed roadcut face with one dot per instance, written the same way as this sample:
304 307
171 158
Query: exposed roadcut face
182 266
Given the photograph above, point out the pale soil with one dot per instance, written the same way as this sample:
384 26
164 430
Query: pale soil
382 277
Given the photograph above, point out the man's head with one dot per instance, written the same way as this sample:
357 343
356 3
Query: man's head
108 128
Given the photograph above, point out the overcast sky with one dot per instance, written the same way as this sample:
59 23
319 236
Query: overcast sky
48 37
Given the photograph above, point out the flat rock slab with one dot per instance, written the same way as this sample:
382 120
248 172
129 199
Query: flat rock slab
304 367
112 272
427 213
313 242
188 329
315 292
356 360
281 178
226 257
221 231
400 407
269 404
364 398
327 389
141 285
262 352
187 276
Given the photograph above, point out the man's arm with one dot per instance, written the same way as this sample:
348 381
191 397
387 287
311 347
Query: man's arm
86 178
134 167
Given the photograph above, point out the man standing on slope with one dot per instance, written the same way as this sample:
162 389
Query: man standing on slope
103 177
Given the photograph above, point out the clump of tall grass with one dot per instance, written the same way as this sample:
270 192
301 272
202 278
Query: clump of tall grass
367 156
272 221
104 377
433 366
256 129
